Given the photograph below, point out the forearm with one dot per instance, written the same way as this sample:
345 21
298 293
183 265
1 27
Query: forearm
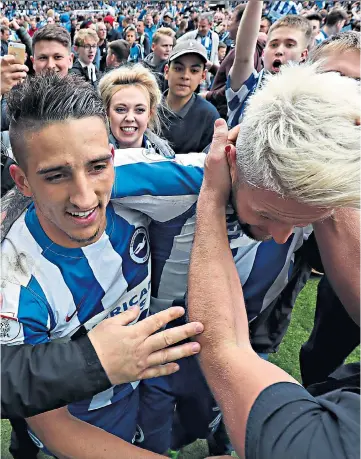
213 278
233 370
83 441
246 41
29 388
338 239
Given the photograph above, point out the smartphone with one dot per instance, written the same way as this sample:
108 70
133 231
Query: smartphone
17 50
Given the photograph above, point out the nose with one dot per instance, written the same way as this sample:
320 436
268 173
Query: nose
51 64
129 116
82 195
280 232
280 51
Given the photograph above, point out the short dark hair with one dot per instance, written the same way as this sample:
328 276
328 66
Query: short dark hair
49 98
53 32
336 15
265 18
120 49
221 44
4 28
314 17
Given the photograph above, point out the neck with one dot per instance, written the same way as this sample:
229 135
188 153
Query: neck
329 30
157 60
101 42
176 103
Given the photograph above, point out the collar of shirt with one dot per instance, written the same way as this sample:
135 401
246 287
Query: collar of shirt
184 110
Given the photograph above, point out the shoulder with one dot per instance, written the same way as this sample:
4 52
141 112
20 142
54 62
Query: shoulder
205 107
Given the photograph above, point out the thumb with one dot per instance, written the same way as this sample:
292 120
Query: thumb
125 318
220 137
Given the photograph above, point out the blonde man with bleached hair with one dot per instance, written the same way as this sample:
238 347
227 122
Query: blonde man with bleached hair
340 53
299 138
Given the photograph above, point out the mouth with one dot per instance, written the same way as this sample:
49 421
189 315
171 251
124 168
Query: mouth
276 65
129 130
85 217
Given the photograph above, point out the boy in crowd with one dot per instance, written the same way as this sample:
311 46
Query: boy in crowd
222 51
150 29
118 54
136 51
163 42
86 44
190 126
112 33
288 40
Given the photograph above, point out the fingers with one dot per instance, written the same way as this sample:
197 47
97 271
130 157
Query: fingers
219 141
127 317
154 323
173 353
166 338
233 134
161 370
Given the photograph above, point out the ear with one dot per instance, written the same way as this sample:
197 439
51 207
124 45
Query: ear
204 74
153 46
32 59
71 60
304 55
21 182
231 158
166 71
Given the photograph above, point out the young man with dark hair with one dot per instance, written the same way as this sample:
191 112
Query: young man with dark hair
67 291
335 21
52 50
316 23
118 54
190 126
112 34
265 24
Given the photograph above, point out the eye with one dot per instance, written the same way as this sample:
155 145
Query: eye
54 178
99 167
58 58
140 110
120 110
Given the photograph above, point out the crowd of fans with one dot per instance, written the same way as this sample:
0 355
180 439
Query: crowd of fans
164 73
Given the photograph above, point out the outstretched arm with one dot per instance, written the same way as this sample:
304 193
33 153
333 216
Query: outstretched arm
246 41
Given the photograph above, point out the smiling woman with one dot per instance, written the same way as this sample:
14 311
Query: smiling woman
132 100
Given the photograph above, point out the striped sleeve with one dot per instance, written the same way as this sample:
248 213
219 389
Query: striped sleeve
159 187
236 100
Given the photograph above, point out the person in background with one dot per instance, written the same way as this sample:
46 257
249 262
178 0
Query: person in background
32 28
163 42
167 20
143 38
223 32
189 127
335 21
222 50
102 46
205 35
217 94
193 21
118 54
86 44
288 40
112 33
136 51
5 34
149 28
265 25
182 28
316 22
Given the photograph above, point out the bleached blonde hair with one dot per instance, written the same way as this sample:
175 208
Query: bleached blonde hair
336 44
299 137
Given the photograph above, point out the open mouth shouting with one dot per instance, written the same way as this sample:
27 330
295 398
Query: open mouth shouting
276 65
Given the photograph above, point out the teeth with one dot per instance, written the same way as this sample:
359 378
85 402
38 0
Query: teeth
129 129
81 214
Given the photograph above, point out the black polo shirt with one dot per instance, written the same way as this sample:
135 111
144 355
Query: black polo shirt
191 129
